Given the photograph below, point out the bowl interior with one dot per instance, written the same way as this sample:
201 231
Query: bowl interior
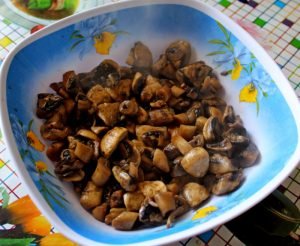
254 95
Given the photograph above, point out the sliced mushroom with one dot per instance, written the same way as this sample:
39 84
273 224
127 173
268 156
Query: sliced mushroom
181 144
111 139
196 162
182 207
160 161
228 116
83 104
113 213
140 56
177 169
102 172
227 182
129 107
171 151
212 129
152 136
248 157
184 118
83 152
179 53
164 93
149 213
165 202
164 67
211 85
54 150
99 129
87 134
133 200
215 112
100 212
187 132
48 132
220 164
138 83
107 68
91 196
158 104
197 141
46 104
109 113
150 188
193 74
98 95
75 176
116 199
142 116
160 117
151 88
223 147
200 122
177 91
195 194
123 178
125 221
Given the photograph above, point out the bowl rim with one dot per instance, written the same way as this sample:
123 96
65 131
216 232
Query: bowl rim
267 62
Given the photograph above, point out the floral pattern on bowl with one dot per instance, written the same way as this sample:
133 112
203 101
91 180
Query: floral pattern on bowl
254 86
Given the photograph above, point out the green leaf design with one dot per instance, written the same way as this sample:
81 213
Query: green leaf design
54 192
76 43
45 194
121 32
16 241
217 41
219 52
5 197
257 107
76 34
113 22
30 125
20 123
223 29
265 94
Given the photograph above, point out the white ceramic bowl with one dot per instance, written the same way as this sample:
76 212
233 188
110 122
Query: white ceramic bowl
261 95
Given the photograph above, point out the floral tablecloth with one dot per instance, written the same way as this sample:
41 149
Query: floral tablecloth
274 23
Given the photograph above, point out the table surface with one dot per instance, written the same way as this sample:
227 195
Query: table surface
272 22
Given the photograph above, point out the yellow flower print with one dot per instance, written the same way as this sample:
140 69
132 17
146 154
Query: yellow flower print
104 42
237 69
22 210
56 239
203 212
34 141
41 166
249 93
37 226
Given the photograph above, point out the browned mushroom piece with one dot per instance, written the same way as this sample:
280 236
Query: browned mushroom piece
100 212
83 152
197 141
187 132
181 144
133 200
46 104
165 202
151 188
109 113
160 161
150 89
196 162
99 129
113 213
152 136
54 150
228 116
248 157
116 199
164 68
142 116
149 213
48 132
224 147
138 83
184 118
91 196
193 74
102 172
200 122
215 112
161 117
123 178
211 85
179 53
212 129
125 221
87 134
140 56
111 139
220 164
98 95
195 194
227 182
129 107
75 176
171 151
181 208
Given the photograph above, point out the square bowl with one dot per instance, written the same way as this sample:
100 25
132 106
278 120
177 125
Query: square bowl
255 87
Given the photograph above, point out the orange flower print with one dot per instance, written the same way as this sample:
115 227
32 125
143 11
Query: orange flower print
104 42
237 69
41 166
248 93
37 226
55 240
34 141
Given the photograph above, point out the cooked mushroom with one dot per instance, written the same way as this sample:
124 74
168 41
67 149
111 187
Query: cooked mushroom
83 152
54 150
164 93
227 182
99 129
75 176
142 116
160 161
140 56
98 95
100 212
91 196
160 117
109 113
211 129
87 134
224 147
46 104
181 144
129 107
179 53
116 199
113 213
111 139
102 172
182 207
197 141
152 136
171 151
220 164
195 194
165 202
149 213
149 91
124 179
125 221
186 131
196 162
133 200
248 157
200 122
164 68
138 83
150 188
215 112
228 116
177 91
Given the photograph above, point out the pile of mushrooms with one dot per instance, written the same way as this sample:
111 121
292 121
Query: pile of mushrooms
144 144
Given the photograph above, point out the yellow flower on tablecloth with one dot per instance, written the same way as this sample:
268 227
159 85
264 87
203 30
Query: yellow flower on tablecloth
22 210
37 226
203 212
35 142
237 69
55 240
104 42
249 93
41 166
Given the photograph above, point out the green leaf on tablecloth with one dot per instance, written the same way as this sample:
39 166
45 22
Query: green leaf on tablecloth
5 197
0 135
16 242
